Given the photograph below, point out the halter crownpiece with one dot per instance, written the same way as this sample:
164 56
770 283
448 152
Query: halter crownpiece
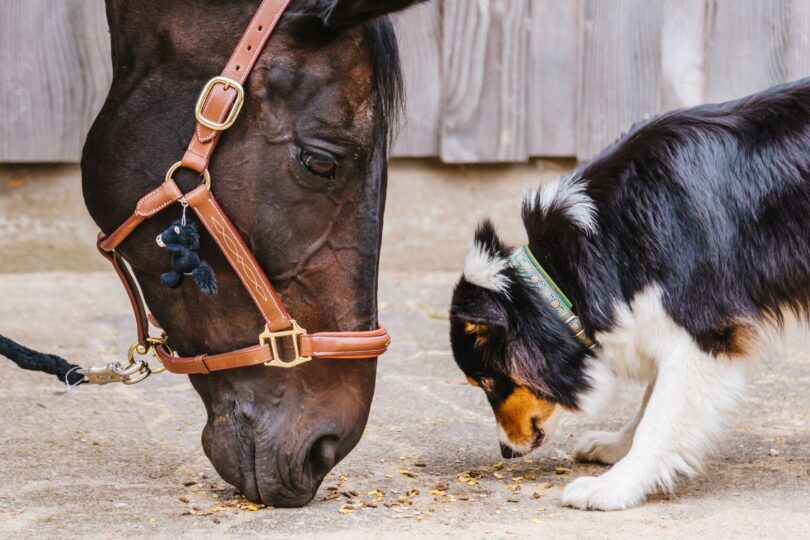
524 263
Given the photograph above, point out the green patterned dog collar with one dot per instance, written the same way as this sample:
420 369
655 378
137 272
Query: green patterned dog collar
530 271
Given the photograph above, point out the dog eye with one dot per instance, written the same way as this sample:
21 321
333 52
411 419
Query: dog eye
318 164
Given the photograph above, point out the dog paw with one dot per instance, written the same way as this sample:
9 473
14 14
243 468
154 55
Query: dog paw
601 447
601 493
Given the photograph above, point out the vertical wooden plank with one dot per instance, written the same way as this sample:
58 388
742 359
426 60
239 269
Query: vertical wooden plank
798 49
54 60
746 46
485 66
35 86
419 35
620 69
92 38
552 85
683 49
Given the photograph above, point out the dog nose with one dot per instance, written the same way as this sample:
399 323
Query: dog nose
509 453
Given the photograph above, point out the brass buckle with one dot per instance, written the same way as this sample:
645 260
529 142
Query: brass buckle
235 108
294 333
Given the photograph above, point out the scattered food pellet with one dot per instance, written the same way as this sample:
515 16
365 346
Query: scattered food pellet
561 470
184 499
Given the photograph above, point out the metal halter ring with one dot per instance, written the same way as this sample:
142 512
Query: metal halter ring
159 342
205 174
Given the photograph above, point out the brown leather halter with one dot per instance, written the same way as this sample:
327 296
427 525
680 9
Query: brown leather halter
217 109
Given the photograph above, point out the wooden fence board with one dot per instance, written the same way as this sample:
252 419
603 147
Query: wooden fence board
798 47
683 49
92 39
620 69
52 85
746 46
485 60
419 35
487 80
552 84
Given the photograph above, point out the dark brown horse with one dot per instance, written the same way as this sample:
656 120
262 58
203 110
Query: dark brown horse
302 175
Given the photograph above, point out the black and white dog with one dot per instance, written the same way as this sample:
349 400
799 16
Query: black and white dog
680 247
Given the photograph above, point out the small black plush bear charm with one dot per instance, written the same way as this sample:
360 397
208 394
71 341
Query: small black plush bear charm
182 240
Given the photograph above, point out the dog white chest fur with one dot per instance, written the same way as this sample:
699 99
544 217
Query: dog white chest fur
687 404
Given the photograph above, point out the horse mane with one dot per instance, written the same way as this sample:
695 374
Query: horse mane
387 72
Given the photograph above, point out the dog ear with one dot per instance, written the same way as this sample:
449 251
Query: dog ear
478 312
487 237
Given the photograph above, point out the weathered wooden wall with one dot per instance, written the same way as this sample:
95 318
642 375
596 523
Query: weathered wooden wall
54 75
524 78
488 80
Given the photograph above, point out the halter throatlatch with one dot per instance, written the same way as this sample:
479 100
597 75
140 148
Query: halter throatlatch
216 110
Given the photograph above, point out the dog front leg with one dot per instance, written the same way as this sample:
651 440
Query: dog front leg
687 410
608 447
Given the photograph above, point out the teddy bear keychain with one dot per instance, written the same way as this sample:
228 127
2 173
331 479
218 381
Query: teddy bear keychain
182 241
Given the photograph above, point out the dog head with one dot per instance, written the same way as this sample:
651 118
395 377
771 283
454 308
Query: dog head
509 344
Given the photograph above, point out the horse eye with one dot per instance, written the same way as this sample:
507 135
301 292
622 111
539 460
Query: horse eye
318 164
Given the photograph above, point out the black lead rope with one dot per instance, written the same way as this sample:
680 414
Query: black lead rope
37 361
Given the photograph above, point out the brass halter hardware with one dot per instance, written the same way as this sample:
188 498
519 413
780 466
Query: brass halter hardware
173 169
294 333
137 370
233 114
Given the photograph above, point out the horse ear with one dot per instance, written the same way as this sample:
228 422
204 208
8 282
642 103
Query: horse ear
350 12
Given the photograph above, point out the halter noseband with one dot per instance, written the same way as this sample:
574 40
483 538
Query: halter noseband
217 109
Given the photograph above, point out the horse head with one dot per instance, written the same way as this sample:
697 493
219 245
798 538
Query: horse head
302 175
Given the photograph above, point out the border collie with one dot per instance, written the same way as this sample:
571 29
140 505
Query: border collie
665 260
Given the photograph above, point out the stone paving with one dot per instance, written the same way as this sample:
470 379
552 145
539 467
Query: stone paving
124 462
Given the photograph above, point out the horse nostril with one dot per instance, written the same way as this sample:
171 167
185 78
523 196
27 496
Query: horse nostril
323 455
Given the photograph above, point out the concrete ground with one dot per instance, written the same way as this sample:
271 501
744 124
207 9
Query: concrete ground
126 461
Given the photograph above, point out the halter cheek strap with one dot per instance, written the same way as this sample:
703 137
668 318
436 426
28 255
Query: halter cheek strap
217 109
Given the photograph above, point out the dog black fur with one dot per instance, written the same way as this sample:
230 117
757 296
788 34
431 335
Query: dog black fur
708 205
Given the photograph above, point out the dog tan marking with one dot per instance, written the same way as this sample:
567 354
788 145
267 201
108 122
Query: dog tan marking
478 330
472 381
518 413
743 341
